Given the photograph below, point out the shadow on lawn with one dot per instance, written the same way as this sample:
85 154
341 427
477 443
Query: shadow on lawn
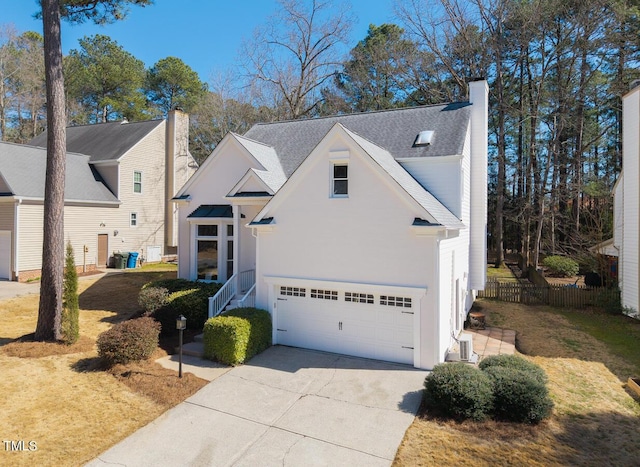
599 439
118 293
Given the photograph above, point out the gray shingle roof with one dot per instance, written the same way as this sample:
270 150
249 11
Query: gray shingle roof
23 170
435 208
394 130
102 141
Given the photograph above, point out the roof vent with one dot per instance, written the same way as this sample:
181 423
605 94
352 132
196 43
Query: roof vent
423 139
124 121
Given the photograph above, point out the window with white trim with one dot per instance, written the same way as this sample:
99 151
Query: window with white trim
340 181
389 300
324 294
133 219
355 297
293 291
137 182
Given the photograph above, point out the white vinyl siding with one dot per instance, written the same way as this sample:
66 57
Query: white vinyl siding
630 253
81 226
149 206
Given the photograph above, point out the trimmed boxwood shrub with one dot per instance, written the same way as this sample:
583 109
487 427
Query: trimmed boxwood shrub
519 395
516 362
561 266
236 336
458 390
131 340
188 298
172 285
152 299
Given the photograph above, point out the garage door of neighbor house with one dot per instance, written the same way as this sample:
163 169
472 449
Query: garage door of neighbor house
350 322
5 254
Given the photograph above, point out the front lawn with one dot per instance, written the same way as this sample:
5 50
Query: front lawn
588 357
60 397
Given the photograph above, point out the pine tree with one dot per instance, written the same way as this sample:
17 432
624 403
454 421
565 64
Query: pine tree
70 307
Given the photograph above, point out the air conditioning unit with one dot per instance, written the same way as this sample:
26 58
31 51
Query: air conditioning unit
466 347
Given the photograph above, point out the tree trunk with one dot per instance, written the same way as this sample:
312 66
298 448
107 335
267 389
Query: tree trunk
50 308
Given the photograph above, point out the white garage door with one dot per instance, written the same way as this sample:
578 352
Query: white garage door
350 322
5 254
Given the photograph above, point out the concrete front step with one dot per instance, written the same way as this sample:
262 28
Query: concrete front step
193 349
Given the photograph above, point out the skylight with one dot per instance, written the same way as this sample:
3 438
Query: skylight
424 138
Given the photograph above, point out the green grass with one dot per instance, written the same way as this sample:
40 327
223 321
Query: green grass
621 334
502 273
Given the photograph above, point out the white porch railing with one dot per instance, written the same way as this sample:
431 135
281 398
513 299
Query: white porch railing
238 283
248 299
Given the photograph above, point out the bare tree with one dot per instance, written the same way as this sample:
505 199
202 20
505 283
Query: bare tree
295 55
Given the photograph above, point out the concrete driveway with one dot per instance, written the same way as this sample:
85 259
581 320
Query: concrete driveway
9 289
286 406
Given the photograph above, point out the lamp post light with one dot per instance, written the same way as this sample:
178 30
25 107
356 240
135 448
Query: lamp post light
181 325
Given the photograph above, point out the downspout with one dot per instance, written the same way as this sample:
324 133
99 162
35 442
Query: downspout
16 223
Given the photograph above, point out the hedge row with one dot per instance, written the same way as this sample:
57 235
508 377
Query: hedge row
237 335
505 387
167 299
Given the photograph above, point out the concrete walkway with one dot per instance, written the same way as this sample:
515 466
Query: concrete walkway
286 406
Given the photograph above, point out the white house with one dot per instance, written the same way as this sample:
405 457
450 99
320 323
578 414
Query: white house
366 233
120 180
626 237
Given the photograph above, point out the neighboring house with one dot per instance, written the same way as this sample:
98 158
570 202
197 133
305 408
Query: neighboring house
626 202
366 233
120 180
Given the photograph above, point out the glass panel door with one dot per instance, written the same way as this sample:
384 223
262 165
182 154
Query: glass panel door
208 260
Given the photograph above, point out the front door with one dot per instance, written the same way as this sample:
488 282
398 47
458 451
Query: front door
103 250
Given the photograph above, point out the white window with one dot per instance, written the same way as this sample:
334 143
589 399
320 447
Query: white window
213 251
137 182
133 219
389 300
324 294
340 181
358 297
293 291
207 252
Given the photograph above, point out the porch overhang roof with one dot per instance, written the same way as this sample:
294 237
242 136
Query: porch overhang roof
216 211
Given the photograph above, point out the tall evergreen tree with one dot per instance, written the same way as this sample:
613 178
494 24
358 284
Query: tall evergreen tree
50 306
70 306
105 80
171 83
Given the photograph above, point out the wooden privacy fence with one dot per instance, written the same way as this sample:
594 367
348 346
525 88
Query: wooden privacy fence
554 295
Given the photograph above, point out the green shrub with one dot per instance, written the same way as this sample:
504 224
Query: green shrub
458 390
238 335
172 285
131 340
152 299
518 396
561 266
516 362
187 298
69 321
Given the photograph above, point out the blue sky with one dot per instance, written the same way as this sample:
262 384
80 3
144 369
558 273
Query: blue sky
205 34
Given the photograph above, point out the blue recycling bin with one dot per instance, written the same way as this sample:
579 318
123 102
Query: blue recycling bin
132 259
